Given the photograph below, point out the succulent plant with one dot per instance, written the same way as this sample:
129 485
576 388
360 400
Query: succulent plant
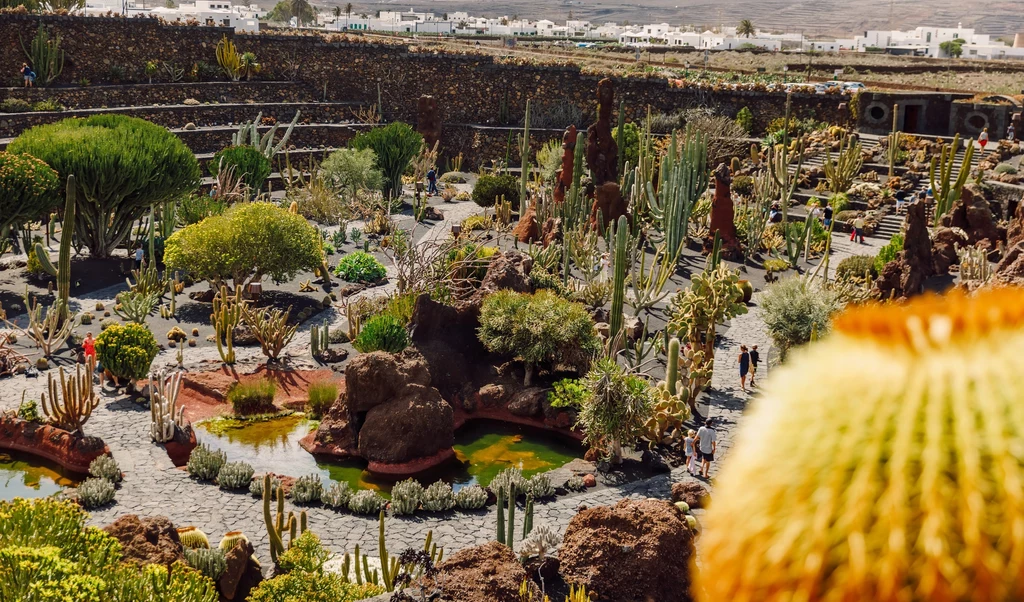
471 498
438 497
337 495
366 501
575 483
105 467
193 537
904 481
208 562
508 481
235 475
406 497
539 486
231 539
307 489
95 492
204 463
541 542
256 486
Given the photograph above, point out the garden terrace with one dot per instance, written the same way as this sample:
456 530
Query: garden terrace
143 94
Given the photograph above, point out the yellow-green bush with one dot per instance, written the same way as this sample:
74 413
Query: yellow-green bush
900 482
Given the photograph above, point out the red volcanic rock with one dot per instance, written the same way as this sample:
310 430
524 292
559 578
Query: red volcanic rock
509 270
375 378
590 480
972 214
147 540
608 203
428 121
242 573
72 451
415 424
527 230
905 276
693 493
634 551
487 573
723 213
602 151
563 179
180 447
335 435
528 402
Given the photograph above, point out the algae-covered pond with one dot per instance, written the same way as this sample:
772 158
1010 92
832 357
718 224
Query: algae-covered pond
483 448
27 476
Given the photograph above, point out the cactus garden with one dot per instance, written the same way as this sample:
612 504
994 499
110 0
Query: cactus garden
342 351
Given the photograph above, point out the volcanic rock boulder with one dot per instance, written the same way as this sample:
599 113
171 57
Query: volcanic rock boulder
723 214
428 120
147 540
944 246
972 214
635 551
336 434
1011 267
905 276
415 424
602 151
608 205
563 178
372 379
694 494
487 573
242 573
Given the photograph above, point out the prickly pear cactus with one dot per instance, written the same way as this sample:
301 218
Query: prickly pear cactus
899 481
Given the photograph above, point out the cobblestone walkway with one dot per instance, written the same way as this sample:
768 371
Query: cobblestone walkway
153 486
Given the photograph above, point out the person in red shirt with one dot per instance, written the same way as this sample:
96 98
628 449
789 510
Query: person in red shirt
89 346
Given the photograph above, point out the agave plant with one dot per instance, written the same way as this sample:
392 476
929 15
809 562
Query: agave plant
248 65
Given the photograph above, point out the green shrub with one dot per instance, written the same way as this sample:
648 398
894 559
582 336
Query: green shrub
29 190
888 252
839 202
14 105
127 350
567 393
776 265
1006 168
616 408
28 411
142 164
745 119
394 145
312 587
194 208
401 306
250 240
549 160
48 105
631 147
743 185
382 332
348 171
491 188
539 329
306 555
250 165
856 266
792 308
322 395
360 266
253 397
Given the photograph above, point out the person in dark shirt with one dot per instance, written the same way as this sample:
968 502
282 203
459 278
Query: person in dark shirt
432 181
755 357
828 224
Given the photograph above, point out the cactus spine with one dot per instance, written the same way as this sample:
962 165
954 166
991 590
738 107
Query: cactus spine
63 269
278 525
163 410
947 190
620 234
683 179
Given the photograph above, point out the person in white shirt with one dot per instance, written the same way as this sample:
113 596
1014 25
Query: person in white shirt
707 444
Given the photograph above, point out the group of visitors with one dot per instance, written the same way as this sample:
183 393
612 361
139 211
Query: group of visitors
699 448
748 360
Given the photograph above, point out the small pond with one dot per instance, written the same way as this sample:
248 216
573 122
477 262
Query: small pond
483 448
27 476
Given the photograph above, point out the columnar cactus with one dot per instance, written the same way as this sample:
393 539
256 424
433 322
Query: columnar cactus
524 162
684 177
278 525
227 313
841 172
164 412
905 482
63 269
70 406
620 237
319 339
946 189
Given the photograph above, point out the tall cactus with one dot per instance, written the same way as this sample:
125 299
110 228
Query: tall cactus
227 312
229 59
277 525
893 141
45 56
164 412
63 269
524 161
672 370
945 189
620 236
248 134
620 137
319 339
683 179
70 406
841 172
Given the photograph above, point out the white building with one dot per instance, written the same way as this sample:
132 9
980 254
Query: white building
219 13
927 41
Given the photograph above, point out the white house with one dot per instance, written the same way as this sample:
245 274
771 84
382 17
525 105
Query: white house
927 41
219 13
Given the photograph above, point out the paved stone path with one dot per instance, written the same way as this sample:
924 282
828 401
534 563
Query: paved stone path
152 486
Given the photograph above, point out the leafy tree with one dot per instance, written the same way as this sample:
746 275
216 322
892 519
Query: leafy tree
746 28
246 243
542 328
616 407
952 48
286 9
29 189
394 145
349 170
249 164
122 166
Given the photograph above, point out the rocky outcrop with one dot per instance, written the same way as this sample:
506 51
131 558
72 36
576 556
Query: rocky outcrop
723 215
529 230
147 540
905 276
563 178
71 450
1011 267
487 573
242 574
416 423
507 271
428 121
972 214
603 160
376 378
608 205
945 242
693 493
635 551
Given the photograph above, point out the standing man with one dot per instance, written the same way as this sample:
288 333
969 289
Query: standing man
27 75
828 224
432 182
858 228
140 255
755 357
707 444
1011 134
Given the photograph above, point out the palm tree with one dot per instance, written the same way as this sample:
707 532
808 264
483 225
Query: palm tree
746 28
301 10
348 10
337 13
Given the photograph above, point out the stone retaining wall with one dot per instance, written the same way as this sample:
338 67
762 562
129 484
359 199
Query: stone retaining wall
146 94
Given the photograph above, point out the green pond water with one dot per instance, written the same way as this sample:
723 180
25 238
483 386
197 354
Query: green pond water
482 448
27 476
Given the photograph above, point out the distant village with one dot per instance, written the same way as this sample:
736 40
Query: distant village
935 42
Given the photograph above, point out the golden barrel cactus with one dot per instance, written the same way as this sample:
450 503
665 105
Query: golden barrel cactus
883 464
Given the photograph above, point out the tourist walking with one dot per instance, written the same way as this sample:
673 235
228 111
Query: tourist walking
140 255
707 444
744 360
27 75
89 346
983 139
689 455
432 182
827 213
1011 134
858 228
755 357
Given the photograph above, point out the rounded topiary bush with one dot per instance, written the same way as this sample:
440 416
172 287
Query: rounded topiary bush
126 351
360 267
491 188
248 163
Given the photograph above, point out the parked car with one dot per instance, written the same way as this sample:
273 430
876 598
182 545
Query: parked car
853 87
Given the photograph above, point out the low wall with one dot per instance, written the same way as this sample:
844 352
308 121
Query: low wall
146 94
